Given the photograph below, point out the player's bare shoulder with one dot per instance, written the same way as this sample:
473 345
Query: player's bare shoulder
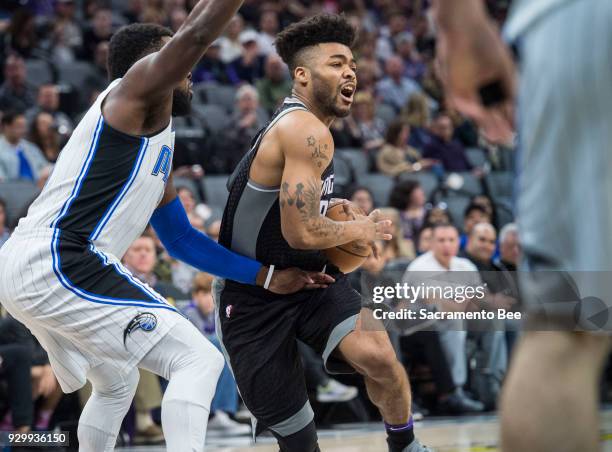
301 135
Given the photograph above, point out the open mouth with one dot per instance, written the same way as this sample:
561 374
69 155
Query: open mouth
347 92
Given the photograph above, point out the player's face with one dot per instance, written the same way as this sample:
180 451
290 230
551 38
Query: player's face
334 79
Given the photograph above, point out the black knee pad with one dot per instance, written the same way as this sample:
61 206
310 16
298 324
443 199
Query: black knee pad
305 440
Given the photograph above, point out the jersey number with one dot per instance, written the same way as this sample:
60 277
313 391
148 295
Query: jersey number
163 163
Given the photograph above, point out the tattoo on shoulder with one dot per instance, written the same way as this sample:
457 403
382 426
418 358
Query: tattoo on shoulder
319 152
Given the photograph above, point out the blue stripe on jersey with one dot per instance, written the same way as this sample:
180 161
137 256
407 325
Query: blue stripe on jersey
55 253
98 229
82 174
90 296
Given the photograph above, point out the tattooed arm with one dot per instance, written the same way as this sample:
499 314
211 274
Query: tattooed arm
307 147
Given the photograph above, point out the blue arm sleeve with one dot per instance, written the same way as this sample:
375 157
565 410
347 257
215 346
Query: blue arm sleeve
187 244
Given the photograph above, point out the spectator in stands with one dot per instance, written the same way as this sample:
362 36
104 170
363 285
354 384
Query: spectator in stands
4 229
362 196
243 126
19 159
99 30
368 58
48 101
188 200
417 114
474 214
268 28
397 24
250 66
44 134
201 312
67 37
367 77
423 240
276 85
397 156
211 69
395 89
177 17
372 129
442 147
437 214
97 81
140 259
409 199
414 67
346 133
16 93
509 246
21 34
443 258
398 247
231 48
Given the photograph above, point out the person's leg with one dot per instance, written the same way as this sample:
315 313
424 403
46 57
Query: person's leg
226 394
110 400
560 414
15 362
453 345
192 366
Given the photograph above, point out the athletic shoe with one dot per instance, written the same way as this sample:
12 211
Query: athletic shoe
334 391
153 434
416 446
459 403
221 423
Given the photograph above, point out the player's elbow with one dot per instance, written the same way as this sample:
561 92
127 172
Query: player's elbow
298 239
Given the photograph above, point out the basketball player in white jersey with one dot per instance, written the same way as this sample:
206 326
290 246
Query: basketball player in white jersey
564 206
61 274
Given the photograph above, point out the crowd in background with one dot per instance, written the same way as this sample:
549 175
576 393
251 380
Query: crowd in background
402 149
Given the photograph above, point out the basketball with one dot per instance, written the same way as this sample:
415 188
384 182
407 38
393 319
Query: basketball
350 256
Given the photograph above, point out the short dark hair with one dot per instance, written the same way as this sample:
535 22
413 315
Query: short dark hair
472 207
401 193
130 44
319 29
442 225
9 116
394 130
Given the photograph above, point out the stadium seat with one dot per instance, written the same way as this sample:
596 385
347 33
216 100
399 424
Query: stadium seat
501 184
380 185
215 190
477 157
38 72
456 205
470 186
505 213
215 94
357 159
18 196
214 116
75 73
429 181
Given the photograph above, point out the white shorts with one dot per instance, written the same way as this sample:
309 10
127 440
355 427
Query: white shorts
87 311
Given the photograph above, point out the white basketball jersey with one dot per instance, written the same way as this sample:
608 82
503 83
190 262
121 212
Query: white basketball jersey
105 184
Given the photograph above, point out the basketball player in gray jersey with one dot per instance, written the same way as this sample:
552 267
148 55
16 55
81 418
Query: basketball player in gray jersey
564 205
275 213
61 272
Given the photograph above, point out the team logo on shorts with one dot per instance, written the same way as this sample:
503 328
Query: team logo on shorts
228 311
146 322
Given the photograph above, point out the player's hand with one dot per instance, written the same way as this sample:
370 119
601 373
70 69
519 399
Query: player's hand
376 228
292 280
478 73
347 206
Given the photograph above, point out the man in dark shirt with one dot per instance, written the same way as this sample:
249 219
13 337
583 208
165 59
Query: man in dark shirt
442 147
16 93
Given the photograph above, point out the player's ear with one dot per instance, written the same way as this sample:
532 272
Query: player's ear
301 75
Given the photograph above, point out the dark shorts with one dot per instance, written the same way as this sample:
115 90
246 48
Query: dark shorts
259 334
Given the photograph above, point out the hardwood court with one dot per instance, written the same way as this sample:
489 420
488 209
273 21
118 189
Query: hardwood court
466 434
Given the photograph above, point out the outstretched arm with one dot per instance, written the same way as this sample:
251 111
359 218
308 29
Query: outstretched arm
308 148
475 66
154 77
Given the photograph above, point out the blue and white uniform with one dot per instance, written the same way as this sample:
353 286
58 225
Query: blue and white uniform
60 272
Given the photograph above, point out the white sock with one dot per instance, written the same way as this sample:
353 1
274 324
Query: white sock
184 425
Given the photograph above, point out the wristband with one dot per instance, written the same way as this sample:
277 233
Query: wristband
269 277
